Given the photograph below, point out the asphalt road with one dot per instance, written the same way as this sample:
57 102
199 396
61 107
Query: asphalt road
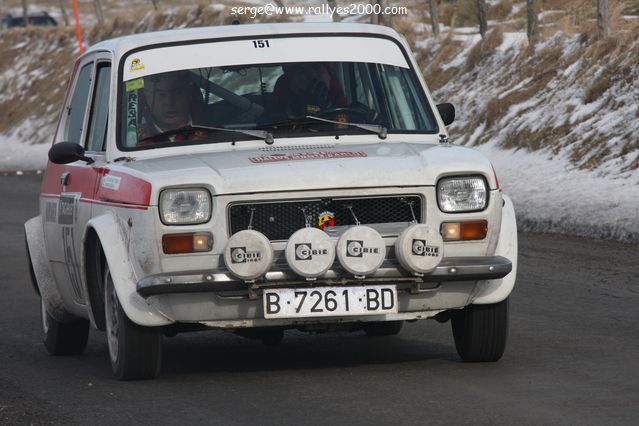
572 356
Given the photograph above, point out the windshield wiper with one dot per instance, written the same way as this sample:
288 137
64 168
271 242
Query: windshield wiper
289 122
381 131
260 134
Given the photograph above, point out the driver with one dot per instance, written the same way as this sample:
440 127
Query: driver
306 89
172 104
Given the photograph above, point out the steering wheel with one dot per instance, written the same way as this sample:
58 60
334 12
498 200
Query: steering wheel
359 114
336 110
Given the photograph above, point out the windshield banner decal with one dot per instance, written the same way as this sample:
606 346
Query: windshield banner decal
236 52
309 155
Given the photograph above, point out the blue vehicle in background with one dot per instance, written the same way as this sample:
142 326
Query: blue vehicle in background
42 19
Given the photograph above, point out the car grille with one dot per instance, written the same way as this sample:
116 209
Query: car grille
279 220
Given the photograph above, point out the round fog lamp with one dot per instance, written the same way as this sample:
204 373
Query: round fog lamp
310 252
361 250
419 248
248 254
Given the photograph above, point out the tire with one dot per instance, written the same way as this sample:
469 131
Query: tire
63 338
135 352
382 328
481 331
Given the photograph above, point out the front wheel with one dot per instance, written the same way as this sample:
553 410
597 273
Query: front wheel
63 338
135 351
480 332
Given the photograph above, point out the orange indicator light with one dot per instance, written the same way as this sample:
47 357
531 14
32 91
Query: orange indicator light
186 243
465 231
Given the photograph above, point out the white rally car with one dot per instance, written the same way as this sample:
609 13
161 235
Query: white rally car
258 178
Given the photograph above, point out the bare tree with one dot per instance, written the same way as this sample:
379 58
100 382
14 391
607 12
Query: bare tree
434 17
375 18
533 22
156 4
380 18
333 4
98 11
25 13
602 18
63 12
482 14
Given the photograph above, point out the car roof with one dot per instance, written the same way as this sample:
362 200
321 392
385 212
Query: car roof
121 45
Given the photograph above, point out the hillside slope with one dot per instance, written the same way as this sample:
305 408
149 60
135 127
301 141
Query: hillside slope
560 121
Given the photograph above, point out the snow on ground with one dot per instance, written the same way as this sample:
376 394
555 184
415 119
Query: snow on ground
516 40
552 195
18 155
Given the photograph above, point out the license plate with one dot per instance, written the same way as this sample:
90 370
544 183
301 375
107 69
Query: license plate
329 301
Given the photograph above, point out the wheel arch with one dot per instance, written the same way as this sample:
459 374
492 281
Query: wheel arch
94 263
110 236
494 291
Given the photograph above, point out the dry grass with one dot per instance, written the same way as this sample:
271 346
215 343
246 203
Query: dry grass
588 154
461 13
612 74
540 69
406 27
598 88
438 77
501 10
34 91
486 47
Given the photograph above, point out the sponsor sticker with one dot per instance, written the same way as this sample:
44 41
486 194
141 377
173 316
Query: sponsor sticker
51 213
67 208
241 255
305 251
419 248
132 119
111 182
342 118
136 65
134 85
356 248
326 219
306 155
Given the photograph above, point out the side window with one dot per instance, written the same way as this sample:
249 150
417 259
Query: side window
78 105
99 109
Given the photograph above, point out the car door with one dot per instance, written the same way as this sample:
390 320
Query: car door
69 189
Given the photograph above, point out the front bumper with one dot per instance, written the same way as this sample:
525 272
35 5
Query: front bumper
458 269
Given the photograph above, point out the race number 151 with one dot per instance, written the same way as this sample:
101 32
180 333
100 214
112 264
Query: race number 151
260 44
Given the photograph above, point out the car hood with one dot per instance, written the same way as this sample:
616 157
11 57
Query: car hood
281 168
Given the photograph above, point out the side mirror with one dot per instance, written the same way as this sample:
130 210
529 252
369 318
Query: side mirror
67 152
447 112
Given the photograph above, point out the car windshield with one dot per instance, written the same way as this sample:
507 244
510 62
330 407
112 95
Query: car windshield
269 100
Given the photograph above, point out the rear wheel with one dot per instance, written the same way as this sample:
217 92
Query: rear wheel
480 332
63 338
135 351
383 328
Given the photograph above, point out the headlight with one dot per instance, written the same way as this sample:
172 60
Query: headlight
461 194
185 206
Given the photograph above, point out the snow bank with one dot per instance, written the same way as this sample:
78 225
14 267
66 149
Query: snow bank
20 155
552 195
